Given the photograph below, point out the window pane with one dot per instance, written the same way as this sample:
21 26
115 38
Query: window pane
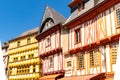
51 62
81 60
118 17
68 63
77 36
114 49
94 58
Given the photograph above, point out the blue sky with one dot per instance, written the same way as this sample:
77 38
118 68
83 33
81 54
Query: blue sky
18 16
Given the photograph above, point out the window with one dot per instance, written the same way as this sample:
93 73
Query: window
91 58
31 56
16 59
69 64
34 68
118 17
114 49
48 24
48 42
80 60
51 61
94 58
18 44
77 4
28 41
81 6
23 57
77 36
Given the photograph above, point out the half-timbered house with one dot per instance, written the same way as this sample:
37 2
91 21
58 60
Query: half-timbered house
93 39
50 45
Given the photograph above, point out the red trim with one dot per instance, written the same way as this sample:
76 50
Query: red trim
54 72
115 37
95 44
48 32
93 12
73 3
51 52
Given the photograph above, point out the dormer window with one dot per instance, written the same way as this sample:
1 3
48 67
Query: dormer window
81 6
48 24
76 4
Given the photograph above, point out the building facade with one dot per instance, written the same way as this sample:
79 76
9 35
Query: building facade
24 63
50 44
93 38
5 56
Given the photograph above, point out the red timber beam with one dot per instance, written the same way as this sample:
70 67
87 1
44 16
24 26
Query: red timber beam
73 3
48 32
91 13
104 41
55 72
51 52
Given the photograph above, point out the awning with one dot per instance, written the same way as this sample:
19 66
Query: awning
100 76
50 77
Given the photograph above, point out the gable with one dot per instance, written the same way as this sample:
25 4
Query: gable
48 23
50 19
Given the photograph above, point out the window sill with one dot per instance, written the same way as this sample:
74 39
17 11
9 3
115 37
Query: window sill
77 43
81 69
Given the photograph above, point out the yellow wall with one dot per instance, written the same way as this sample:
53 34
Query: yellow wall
13 44
27 59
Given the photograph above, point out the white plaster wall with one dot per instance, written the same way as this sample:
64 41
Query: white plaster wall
55 62
108 57
53 41
81 72
94 70
108 23
82 30
113 21
113 67
57 39
72 38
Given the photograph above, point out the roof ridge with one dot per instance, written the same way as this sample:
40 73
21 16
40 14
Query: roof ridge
55 11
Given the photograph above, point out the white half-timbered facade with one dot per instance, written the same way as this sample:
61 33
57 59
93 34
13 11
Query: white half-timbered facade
50 49
93 37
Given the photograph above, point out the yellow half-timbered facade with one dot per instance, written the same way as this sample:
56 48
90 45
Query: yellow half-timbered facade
24 63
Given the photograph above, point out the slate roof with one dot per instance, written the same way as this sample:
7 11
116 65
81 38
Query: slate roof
88 5
28 32
51 13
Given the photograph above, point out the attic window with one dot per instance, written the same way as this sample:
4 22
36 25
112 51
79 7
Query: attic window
77 4
48 24
81 6
73 3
